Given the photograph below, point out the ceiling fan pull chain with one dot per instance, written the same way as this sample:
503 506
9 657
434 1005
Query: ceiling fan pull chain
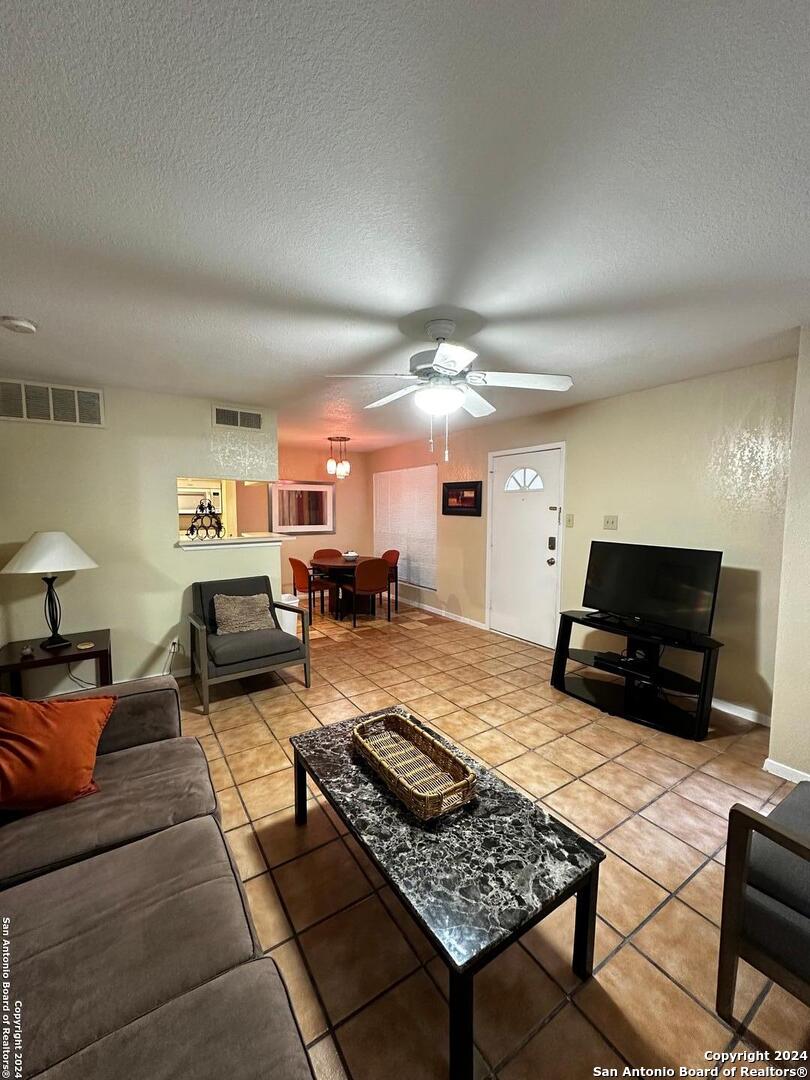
431 433
446 436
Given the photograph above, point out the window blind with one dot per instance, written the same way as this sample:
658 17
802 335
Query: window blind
405 502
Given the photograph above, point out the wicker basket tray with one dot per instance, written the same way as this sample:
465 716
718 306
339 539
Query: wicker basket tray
418 769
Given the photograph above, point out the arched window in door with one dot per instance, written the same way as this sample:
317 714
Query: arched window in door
524 479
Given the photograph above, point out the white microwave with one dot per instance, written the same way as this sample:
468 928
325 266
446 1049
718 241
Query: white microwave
189 498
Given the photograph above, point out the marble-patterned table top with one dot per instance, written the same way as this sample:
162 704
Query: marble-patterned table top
471 879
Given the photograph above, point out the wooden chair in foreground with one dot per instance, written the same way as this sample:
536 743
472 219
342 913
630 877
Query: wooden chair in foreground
392 558
371 578
766 898
306 581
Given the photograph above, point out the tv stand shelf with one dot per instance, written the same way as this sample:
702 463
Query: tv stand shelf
643 695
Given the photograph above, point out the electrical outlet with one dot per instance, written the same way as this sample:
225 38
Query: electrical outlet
569 521
611 521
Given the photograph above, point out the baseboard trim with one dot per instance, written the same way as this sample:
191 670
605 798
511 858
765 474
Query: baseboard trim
445 614
742 711
785 771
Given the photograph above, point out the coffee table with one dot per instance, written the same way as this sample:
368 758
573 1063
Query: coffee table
474 881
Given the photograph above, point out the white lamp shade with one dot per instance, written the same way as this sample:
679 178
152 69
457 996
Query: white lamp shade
49 553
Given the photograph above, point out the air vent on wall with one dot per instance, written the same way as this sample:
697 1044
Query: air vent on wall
47 404
232 416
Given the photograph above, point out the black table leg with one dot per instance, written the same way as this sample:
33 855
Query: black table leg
461 1026
585 925
300 792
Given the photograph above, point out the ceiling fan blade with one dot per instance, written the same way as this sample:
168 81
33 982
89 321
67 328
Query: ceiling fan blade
451 359
522 380
474 404
392 397
374 375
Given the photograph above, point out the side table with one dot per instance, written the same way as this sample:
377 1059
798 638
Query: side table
14 666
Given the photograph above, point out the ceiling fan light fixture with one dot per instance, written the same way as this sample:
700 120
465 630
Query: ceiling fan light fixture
439 400
452 358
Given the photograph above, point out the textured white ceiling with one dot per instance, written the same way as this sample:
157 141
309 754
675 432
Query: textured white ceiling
231 199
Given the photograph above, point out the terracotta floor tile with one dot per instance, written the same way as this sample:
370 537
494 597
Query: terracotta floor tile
318 695
704 891
572 756
326 1062
355 955
603 740
662 857
412 1017
688 821
439 682
259 761
530 732
304 1000
465 696
293 723
524 680
266 794
742 775
333 711
638 732
623 785
658 767
220 774
535 774
498 665
410 690
714 795
357 684
231 809
567 1048
686 946
281 839
320 883
246 852
559 718
211 747
512 996
493 686
389 677
459 725
268 915
244 737
494 747
551 943
275 708
495 712
626 896
686 750
781 1022
194 726
525 701
586 808
375 699
649 1019
433 706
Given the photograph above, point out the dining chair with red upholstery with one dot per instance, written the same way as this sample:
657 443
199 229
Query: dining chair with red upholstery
370 579
327 553
306 581
392 558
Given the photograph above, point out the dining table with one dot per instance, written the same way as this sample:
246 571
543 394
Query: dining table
339 569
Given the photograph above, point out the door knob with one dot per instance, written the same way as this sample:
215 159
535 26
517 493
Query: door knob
551 561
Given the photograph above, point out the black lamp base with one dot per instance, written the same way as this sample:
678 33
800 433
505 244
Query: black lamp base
55 642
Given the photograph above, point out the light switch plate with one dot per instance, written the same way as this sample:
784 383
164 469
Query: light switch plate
569 521
611 521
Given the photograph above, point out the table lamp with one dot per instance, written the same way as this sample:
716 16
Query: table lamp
49 554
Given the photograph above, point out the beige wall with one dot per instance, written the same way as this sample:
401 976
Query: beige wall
790 727
114 491
700 463
352 504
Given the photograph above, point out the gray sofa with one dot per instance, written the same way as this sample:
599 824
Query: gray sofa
132 948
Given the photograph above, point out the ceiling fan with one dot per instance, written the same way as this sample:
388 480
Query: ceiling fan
443 380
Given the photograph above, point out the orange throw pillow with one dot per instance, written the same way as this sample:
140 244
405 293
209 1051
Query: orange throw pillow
48 750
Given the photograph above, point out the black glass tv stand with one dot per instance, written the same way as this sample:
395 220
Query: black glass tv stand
635 684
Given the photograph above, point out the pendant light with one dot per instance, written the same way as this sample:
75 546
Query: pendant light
338 465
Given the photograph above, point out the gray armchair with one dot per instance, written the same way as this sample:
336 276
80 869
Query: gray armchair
218 658
766 898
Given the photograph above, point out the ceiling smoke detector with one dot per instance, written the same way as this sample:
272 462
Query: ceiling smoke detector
18 325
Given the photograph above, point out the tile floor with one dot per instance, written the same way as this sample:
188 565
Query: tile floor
367 989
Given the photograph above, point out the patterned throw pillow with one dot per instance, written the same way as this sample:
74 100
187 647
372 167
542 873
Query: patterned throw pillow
234 614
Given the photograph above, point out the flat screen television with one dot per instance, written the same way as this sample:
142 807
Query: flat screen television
671 587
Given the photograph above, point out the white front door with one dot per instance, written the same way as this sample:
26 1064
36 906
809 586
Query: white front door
525 535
